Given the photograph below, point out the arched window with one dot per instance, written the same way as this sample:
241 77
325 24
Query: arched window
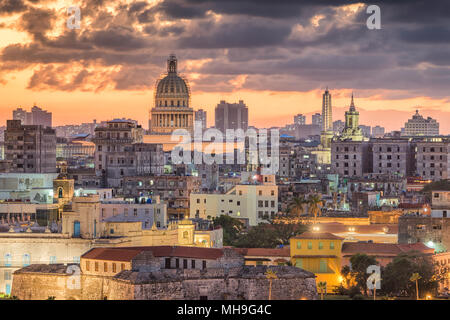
185 235
60 193
26 260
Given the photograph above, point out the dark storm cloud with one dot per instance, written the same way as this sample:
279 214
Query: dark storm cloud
247 34
276 44
12 6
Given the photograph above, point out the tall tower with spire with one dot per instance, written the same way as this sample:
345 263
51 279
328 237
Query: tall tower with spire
352 131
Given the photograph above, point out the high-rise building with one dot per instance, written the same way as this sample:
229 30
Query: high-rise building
366 130
327 116
327 121
231 116
31 148
419 126
37 117
317 119
378 132
200 115
300 119
172 109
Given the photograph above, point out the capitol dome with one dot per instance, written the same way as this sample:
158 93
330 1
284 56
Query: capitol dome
172 90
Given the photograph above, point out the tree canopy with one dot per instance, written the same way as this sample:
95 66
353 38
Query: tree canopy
397 274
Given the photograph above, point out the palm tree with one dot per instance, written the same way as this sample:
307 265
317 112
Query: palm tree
415 277
322 286
315 204
298 206
270 275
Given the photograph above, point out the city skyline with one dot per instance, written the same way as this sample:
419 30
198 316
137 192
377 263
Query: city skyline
104 70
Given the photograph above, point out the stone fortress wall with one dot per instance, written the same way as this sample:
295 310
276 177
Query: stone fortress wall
39 282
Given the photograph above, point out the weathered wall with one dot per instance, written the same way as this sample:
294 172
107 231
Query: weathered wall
243 283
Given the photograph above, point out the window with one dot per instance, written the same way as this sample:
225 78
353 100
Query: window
114 268
96 266
105 267
8 259
203 264
185 264
122 267
299 263
331 245
7 275
323 265
177 263
87 265
26 260
193 264
309 245
299 245
320 245
52 259
76 259
167 263
260 192
135 212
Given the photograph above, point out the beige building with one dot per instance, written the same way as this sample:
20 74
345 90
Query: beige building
252 202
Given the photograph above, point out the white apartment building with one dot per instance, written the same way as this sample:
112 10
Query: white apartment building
253 200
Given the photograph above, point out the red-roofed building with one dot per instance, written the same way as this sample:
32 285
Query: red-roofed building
264 256
110 261
383 252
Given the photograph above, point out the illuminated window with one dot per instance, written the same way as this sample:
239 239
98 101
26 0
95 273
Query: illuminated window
320 245
331 245
299 245
309 245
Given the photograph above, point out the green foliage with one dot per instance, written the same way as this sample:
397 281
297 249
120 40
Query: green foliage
398 274
360 262
231 228
264 235
269 235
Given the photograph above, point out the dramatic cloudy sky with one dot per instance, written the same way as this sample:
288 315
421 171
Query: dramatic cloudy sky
277 56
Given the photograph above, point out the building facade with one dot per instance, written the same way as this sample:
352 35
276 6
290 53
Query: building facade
30 148
419 126
432 156
231 116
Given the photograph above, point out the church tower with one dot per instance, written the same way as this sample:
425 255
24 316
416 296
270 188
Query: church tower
352 131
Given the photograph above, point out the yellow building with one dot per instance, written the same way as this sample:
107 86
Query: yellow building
319 253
